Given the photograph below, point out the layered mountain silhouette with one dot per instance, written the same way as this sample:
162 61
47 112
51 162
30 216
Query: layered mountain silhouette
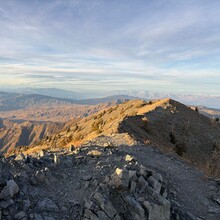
16 101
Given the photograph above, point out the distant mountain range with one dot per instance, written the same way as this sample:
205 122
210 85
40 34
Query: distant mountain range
53 92
16 101
210 101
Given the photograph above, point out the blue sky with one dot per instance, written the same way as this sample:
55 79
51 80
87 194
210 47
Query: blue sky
103 45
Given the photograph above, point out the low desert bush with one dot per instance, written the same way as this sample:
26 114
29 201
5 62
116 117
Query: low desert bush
180 148
172 138
214 121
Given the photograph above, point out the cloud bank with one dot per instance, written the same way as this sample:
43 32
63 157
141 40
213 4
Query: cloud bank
107 45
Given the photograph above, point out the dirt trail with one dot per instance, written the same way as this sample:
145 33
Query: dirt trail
188 186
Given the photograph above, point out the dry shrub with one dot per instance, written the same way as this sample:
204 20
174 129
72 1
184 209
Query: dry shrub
172 138
214 121
210 167
96 126
180 149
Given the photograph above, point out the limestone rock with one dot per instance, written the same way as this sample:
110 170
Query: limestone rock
129 158
41 153
20 158
120 179
94 153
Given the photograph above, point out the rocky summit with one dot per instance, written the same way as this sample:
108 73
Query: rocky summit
112 183
138 160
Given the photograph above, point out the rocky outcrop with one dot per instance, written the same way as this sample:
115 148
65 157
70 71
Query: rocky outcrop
95 183
133 192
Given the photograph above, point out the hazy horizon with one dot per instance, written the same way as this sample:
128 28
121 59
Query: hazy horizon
103 46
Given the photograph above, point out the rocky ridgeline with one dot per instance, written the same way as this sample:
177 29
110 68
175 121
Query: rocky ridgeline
134 193
88 183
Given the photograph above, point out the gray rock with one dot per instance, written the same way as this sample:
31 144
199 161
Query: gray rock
120 179
133 186
105 204
155 184
47 205
20 216
102 215
6 204
158 177
49 218
87 178
132 174
134 207
9 190
38 178
156 212
26 204
38 217
142 183
90 215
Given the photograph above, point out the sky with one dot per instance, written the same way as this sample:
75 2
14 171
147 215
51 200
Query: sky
108 45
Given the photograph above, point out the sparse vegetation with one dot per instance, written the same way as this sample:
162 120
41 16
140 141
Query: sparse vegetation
216 146
180 149
172 138
214 121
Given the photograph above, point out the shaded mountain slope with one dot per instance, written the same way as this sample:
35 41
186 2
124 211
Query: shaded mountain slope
165 123
13 135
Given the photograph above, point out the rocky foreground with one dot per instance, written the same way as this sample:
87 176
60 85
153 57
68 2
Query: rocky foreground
131 183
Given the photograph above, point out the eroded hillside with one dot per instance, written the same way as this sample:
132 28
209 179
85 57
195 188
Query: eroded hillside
13 135
165 123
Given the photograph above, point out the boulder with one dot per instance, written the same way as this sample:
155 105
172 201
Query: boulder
105 204
142 183
156 211
134 208
9 190
20 158
38 178
41 153
129 158
155 184
94 153
120 179
90 215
